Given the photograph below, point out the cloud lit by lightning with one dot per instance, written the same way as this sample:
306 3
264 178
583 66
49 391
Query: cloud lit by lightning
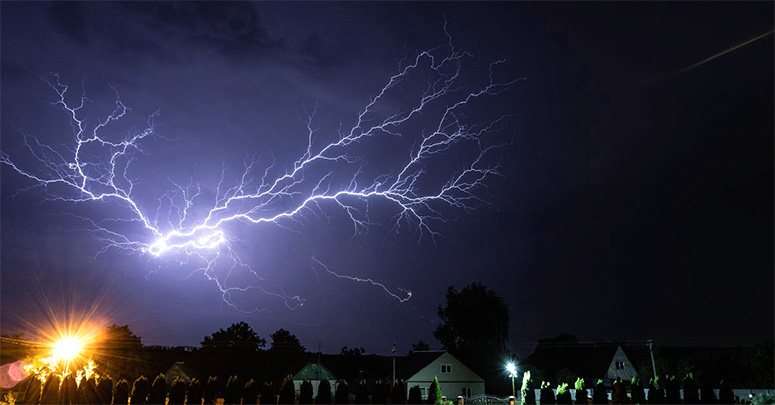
328 175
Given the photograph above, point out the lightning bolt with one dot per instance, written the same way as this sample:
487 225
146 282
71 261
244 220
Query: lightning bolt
97 169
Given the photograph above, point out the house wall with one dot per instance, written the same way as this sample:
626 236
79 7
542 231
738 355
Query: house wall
627 372
315 384
452 382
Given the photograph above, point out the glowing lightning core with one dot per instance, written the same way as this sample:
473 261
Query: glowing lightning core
96 169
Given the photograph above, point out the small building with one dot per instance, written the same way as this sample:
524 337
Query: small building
564 361
455 378
314 373
178 371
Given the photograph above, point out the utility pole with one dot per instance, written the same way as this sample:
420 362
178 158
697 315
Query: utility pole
393 381
653 363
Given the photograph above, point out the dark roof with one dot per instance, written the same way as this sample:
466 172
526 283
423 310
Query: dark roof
590 361
416 362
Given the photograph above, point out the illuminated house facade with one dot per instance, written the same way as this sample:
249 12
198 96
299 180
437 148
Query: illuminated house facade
455 378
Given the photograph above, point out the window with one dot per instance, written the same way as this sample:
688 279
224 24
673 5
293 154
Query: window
619 365
446 368
424 392
466 392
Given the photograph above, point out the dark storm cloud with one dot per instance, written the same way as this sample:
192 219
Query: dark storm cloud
165 30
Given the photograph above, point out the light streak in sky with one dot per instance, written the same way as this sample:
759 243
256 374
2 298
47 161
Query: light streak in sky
97 168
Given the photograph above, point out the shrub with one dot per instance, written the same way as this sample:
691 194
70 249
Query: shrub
287 392
233 393
139 391
194 396
158 392
434 392
50 393
250 393
599 395
177 392
121 393
324 393
415 395
563 395
342 393
305 393
636 391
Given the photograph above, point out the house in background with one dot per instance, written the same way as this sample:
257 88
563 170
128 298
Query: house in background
314 373
179 371
563 361
455 378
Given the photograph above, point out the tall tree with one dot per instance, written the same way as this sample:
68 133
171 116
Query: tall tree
282 340
324 393
239 336
305 393
474 325
434 392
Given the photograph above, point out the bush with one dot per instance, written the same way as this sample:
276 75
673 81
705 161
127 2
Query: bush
268 394
636 391
68 390
121 393
563 395
158 392
50 393
177 392
398 394
691 390
342 393
305 393
233 393
434 392
415 395
194 396
599 395
361 393
547 395
250 393
655 391
324 393
287 393
140 390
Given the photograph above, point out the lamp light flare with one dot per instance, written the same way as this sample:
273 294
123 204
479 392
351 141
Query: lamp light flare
511 368
188 223
67 348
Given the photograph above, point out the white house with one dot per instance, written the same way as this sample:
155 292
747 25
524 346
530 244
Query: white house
455 378
621 366
314 373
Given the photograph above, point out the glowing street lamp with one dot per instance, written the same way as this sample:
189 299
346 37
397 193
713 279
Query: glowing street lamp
511 368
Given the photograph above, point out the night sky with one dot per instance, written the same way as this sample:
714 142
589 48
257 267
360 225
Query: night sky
636 200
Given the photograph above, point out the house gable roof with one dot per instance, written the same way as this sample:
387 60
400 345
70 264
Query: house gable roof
590 361
314 371
418 362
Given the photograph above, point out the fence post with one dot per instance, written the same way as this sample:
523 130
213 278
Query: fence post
460 400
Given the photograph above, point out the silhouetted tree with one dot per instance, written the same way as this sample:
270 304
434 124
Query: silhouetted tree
268 394
87 391
361 393
287 393
563 394
342 393
352 351
305 393
725 393
636 391
250 393
398 393
177 392
707 394
691 391
158 391
195 391
415 395
619 394
599 395
672 390
527 389
31 393
547 395
379 393
474 325
140 390
50 393
324 393
656 396
238 336
434 392
68 391
211 390
121 393
285 341
120 351
420 346
233 392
